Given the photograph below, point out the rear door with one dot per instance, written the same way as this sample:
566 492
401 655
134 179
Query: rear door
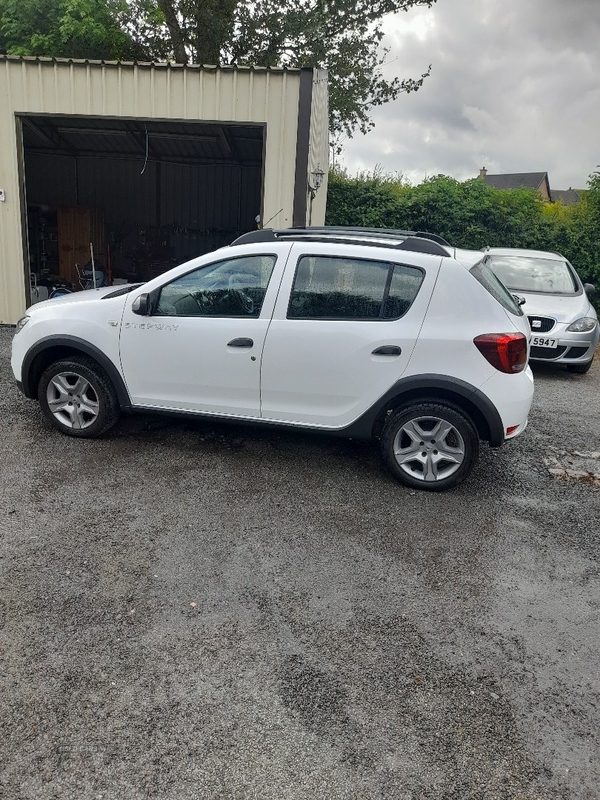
344 327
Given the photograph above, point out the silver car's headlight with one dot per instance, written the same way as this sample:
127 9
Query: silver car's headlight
21 324
583 325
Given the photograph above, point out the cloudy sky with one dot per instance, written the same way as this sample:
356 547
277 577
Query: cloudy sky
515 87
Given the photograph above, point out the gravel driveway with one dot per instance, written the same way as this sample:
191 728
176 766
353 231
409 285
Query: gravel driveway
190 610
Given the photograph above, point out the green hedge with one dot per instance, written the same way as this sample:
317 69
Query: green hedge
472 215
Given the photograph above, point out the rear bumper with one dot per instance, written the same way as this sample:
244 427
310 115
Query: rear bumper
512 395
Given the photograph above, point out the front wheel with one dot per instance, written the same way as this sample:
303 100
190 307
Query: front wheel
431 446
78 398
580 369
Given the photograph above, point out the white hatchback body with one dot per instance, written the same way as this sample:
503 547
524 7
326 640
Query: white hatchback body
274 357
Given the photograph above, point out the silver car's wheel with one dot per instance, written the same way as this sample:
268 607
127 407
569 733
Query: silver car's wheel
72 400
78 397
580 369
430 445
429 449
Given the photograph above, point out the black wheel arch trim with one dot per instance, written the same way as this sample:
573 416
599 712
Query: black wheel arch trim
81 346
362 428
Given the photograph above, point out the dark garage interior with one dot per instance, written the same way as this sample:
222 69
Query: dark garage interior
139 196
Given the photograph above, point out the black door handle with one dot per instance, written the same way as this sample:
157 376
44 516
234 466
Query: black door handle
240 343
387 350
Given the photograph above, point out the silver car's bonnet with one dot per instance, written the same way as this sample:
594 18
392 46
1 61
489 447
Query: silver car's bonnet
562 308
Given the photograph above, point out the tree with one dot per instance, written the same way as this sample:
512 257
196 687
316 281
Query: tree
66 28
343 36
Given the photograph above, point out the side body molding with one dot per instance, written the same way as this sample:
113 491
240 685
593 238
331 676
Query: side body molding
72 343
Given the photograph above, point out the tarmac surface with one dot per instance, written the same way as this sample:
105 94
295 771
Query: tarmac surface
191 610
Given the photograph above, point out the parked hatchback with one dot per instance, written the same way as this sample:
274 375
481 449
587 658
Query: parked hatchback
564 324
362 334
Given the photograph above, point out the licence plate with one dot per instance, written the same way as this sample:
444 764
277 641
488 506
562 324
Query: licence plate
542 341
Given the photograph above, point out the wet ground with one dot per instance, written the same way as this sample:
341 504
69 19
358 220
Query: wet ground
200 611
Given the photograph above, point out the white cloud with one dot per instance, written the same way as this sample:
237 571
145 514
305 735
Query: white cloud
515 87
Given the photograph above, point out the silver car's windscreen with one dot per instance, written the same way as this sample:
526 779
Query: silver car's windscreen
534 274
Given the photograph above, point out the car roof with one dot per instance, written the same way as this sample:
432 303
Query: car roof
521 251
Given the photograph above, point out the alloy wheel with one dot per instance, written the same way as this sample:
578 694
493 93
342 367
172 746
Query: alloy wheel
429 448
72 400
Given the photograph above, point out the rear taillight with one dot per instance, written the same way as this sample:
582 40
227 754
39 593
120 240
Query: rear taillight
505 351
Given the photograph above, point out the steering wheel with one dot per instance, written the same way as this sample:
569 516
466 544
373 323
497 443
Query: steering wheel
239 296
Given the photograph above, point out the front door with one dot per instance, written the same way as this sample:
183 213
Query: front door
200 348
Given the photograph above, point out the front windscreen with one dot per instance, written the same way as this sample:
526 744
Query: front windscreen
534 274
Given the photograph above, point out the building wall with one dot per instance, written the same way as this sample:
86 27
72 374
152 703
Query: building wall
39 86
318 154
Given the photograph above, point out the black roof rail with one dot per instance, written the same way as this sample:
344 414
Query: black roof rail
392 232
263 235
418 245
434 238
402 240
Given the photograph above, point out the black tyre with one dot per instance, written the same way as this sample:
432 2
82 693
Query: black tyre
580 369
430 445
78 397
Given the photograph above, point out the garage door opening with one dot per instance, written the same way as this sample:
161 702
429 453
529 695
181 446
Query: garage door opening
135 196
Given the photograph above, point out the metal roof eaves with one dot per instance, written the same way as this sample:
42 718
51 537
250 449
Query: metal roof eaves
145 64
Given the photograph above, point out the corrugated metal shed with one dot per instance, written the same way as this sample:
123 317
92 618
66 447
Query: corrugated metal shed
84 129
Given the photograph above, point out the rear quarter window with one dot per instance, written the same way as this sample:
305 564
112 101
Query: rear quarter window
484 275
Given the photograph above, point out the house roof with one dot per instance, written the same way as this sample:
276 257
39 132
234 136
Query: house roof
516 180
567 197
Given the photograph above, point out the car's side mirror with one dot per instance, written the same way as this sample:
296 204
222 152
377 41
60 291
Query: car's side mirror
141 305
520 301
589 289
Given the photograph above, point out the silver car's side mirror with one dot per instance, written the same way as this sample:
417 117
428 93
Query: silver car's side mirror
589 289
520 301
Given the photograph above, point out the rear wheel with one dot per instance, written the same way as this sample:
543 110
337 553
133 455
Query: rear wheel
580 369
78 397
431 446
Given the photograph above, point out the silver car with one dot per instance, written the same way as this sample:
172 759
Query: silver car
564 324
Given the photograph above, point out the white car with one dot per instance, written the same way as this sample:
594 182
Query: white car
344 331
564 324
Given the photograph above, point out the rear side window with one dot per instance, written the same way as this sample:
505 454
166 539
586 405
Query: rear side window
482 273
328 287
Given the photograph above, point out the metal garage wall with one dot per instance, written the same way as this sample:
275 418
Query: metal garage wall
200 208
107 183
201 197
51 179
318 155
153 91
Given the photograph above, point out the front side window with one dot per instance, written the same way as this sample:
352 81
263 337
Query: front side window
533 274
328 287
232 288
